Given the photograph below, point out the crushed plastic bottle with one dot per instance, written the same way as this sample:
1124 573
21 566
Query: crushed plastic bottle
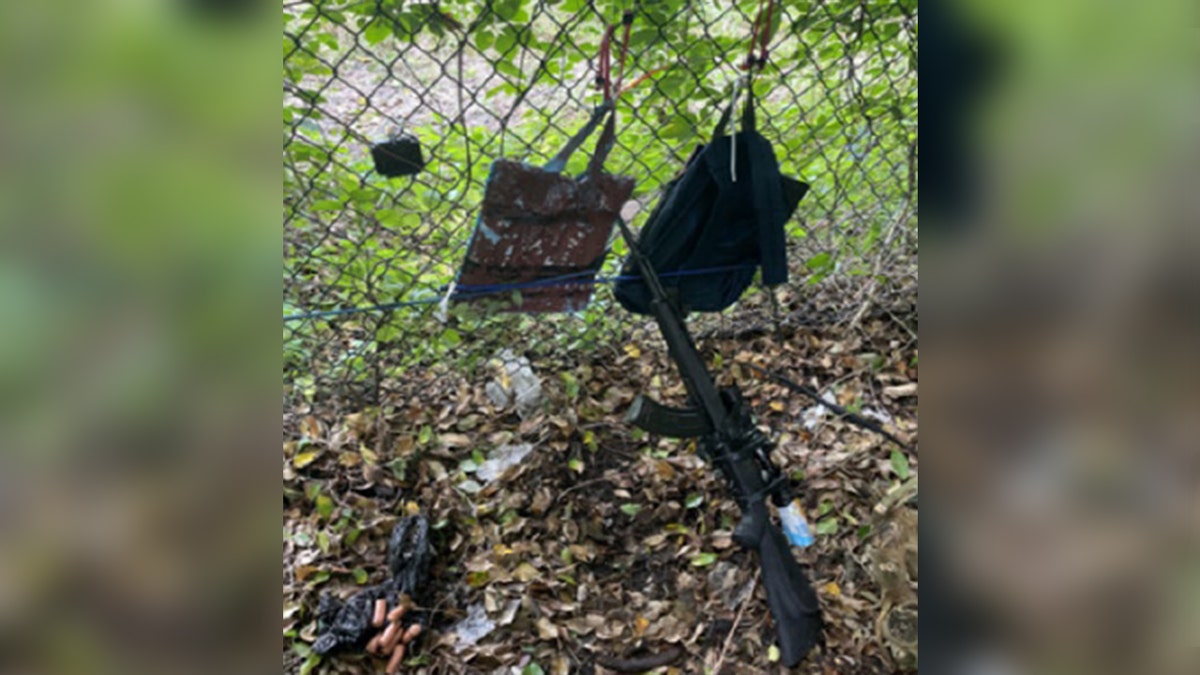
501 460
473 628
518 384
794 525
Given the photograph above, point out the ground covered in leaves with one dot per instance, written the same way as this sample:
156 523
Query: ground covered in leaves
604 542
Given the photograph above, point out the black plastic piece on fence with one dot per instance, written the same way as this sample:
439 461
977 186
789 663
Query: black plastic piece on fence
398 156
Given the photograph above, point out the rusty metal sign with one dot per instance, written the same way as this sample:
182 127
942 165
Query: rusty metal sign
542 232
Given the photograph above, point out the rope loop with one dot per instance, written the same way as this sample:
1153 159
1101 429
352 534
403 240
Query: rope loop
760 37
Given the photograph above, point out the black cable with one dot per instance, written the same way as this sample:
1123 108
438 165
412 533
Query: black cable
856 419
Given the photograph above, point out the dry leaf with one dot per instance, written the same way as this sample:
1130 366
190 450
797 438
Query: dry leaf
526 572
368 455
452 440
901 390
640 625
545 629
311 428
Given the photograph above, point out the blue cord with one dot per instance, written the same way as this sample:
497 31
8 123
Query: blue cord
468 292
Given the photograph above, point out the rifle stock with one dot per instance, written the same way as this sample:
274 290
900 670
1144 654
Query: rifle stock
730 441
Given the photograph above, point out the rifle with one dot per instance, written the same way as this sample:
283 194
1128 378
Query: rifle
729 440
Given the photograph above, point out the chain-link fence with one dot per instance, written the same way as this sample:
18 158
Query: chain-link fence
367 259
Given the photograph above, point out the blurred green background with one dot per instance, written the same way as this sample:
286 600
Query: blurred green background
1060 325
139 290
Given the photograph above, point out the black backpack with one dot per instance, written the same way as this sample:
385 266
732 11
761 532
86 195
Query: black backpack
709 232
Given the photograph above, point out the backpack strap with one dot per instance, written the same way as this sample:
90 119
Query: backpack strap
723 121
770 209
608 138
749 122
612 89
559 162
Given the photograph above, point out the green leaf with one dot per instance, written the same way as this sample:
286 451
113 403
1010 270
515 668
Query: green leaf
450 338
326 205
571 384
360 576
827 525
324 506
677 128
398 466
704 559
575 465
900 464
505 40
533 669
819 261
310 664
693 501
483 39
303 459
631 509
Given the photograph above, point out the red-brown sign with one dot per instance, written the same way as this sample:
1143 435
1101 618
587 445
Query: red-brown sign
536 227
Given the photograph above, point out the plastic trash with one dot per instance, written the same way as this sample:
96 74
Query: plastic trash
502 459
794 525
519 386
473 628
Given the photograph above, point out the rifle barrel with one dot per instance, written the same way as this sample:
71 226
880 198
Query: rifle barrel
790 596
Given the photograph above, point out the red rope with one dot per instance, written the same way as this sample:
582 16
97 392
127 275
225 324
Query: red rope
765 34
760 35
645 76
613 90
604 66
627 19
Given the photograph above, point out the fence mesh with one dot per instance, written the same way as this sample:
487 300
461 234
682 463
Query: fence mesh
367 258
